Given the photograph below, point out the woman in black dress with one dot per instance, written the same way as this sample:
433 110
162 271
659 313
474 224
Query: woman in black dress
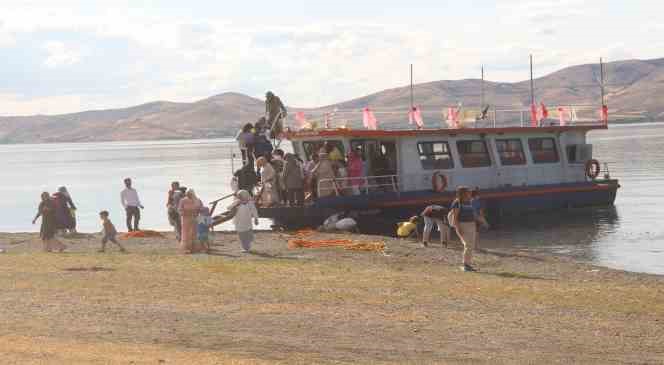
46 211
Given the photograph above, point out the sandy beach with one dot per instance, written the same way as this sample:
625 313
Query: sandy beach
280 305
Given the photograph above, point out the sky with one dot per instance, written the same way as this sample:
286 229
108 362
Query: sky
61 56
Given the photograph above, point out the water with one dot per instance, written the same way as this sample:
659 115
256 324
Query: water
628 236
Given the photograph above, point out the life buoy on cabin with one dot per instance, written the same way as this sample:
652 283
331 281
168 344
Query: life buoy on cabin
438 182
592 168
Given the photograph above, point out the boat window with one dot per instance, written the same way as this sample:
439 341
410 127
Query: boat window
510 152
435 155
473 154
335 149
543 150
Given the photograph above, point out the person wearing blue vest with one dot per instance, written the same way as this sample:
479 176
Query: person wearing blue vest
463 217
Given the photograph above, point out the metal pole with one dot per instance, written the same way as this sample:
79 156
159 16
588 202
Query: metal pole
601 79
532 85
482 90
412 102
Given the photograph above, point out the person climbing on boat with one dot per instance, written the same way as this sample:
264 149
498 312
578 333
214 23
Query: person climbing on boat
275 112
435 214
246 178
268 195
245 140
463 220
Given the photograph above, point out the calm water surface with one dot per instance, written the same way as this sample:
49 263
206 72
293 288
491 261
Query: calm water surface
629 236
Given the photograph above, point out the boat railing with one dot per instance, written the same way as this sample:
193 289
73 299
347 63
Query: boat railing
353 185
455 117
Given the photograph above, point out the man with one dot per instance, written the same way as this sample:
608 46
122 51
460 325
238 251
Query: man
131 203
275 111
174 196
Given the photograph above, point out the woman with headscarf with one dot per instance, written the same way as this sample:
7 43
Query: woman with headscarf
324 174
189 208
47 212
269 194
293 180
64 211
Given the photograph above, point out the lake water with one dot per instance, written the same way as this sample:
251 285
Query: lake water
628 236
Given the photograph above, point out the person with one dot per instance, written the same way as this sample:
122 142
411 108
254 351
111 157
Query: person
478 208
408 228
275 112
108 232
310 180
132 205
278 163
355 172
64 211
189 208
269 194
204 222
245 213
463 219
333 152
174 196
435 214
245 140
293 179
46 211
246 178
324 176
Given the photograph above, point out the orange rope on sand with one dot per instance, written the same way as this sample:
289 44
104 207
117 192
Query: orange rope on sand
346 244
141 234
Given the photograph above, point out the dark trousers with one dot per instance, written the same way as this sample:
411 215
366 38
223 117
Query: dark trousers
135 214
295 197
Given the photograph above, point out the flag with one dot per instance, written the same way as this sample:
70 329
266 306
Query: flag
543 111
369 119
453 117
562 114
604 114
415 117
300 119
533 115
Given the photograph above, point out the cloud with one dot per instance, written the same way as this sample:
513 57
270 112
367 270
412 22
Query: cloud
60 55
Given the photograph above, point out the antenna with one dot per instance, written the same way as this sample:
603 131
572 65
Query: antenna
482 90
601 79
532 86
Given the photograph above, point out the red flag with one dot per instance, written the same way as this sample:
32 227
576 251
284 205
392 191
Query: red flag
604 114
544 112
415 117
369 119
453 117
300 119
533 115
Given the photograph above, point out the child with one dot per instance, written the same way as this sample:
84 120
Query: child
246 210
204 221
435 214
108 232
408 228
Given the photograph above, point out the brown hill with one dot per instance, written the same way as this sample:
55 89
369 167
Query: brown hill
634 88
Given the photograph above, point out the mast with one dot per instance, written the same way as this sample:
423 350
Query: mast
601 80
532 85
482 90
411 88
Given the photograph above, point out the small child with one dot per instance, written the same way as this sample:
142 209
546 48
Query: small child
435 215
204 221
408 228
108 232
246 210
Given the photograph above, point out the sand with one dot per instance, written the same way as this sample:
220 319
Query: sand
407 305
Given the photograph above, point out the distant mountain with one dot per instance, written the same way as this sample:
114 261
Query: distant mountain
635 89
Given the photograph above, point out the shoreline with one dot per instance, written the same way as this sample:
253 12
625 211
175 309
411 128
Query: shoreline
330 305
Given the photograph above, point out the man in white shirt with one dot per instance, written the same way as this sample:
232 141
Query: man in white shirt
131 203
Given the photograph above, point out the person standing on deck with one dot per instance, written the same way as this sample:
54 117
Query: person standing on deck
293 179
463 219
132 205
355 171
324 176
275 112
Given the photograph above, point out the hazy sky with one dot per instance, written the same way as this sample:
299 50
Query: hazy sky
64 55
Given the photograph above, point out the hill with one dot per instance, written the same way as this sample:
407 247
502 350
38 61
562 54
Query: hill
634 88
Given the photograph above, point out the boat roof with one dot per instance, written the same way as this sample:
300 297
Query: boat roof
361 133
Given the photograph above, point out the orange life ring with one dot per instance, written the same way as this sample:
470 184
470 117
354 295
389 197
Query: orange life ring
437 184
592 168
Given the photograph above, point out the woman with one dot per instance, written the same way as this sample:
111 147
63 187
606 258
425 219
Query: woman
324 176
293 180
189 208
355 172
46 211
64 211
245 139
269 194
463 217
